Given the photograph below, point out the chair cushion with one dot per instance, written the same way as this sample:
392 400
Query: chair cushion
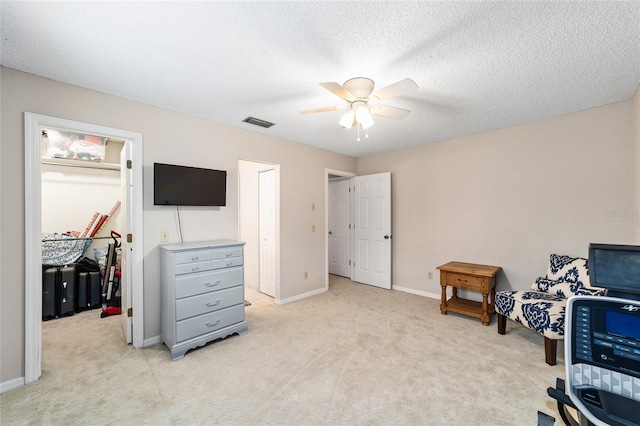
567 276
565 289
539 311
569 269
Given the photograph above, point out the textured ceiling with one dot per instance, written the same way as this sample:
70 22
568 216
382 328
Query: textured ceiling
479 65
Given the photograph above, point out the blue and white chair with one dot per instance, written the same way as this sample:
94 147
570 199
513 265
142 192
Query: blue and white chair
542 309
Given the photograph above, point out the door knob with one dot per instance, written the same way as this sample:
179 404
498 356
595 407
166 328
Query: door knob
386 237
330 233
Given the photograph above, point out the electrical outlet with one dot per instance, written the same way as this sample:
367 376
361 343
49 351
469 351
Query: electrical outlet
164 236
430 275
306 275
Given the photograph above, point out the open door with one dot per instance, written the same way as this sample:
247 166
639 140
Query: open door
372 229
126 183
267 231
340 228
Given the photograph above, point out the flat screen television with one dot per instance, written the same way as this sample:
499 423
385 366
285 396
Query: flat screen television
615 267
175 185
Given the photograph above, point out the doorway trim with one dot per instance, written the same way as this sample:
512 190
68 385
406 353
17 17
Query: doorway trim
33 233
327 174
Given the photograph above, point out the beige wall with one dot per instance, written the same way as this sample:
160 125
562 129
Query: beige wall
635 120
168 137
510 197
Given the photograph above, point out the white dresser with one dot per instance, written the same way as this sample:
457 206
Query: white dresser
202 293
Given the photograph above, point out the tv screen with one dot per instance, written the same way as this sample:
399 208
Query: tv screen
615 267
175 185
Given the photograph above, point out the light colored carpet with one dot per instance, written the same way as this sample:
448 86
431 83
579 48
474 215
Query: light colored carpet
353 355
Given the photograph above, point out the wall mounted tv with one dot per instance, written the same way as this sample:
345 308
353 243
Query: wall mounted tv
175 185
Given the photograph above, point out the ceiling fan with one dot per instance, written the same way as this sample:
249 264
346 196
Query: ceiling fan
362 102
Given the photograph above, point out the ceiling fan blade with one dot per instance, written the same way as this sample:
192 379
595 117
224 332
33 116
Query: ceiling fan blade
338 90
402 87
327 109
389 111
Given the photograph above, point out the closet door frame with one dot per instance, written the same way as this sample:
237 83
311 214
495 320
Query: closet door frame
33 233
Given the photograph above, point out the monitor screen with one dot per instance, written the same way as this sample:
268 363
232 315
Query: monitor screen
615 267
175 185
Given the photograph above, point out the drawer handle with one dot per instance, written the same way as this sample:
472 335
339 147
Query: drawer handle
228 254
195 268
211 305
194 258
213 324
464 281
210 284
229 263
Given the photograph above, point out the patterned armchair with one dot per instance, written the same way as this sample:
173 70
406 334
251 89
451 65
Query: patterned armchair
542 308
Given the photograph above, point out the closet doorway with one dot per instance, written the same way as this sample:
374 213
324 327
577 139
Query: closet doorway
259 225
131 286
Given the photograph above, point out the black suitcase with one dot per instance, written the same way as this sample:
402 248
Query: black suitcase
49 276
65 291
88 291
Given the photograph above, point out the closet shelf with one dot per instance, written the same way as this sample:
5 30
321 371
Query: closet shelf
80 164
75 239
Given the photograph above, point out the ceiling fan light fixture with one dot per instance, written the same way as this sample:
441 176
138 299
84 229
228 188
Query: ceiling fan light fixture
347 119
363 117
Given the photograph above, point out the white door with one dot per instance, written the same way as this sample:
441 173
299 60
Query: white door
126 183
339 229
267 231
372 234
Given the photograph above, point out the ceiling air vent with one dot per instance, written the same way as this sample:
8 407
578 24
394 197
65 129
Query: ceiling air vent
258 122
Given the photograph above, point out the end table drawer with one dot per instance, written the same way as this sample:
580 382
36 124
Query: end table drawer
193 327
464 281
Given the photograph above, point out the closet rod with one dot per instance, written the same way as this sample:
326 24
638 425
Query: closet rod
87 165
76 238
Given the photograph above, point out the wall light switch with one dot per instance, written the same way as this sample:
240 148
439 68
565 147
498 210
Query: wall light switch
164 236
430 276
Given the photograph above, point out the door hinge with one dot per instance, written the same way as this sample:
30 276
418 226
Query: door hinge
130 312
129 164
349 226
129 238
349 262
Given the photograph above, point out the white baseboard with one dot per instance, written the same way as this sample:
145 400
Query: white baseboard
417 292
155 340
300 296
11 384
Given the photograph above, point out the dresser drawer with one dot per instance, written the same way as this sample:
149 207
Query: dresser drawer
192 256
193 327
190 268
192 284
227 263
208 302
464 281
227 253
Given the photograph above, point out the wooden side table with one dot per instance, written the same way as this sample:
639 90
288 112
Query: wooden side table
469 276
